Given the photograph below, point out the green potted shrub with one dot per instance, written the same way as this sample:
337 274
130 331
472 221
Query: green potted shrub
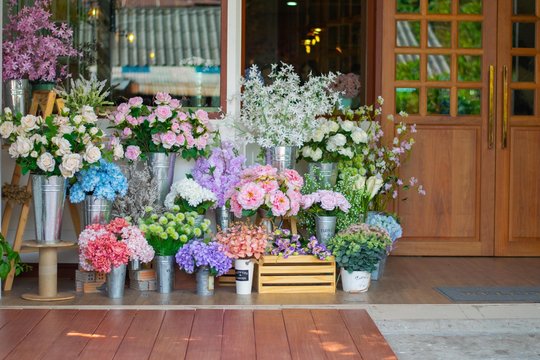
8 258
357 250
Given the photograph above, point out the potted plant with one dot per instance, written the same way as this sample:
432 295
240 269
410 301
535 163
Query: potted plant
9 259
98 186
52 150
220 173
207 259
32 46
167 233
389 223
325 205
357 250
158 133
244 243
189 196
279 116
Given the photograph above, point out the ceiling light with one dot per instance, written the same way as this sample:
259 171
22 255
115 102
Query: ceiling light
292 3
131 37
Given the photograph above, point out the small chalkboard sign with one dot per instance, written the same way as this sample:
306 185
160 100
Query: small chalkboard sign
242 275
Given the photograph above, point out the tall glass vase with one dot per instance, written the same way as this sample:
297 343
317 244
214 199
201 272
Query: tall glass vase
162 169
281 157
17 95
48 195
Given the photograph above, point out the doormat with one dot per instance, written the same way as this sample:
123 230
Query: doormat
496 294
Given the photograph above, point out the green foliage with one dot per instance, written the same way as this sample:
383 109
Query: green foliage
359 247
345 186
200 209
409 70
83 92
9 258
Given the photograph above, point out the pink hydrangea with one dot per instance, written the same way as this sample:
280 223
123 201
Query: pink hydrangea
138 247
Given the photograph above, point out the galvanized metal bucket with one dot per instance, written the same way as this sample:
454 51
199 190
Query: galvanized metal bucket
164 266
17 95
326 174
205 282
326 228
96 210
48 195
199 220
162 169
379 269
281 157
223 217
135 265
116 281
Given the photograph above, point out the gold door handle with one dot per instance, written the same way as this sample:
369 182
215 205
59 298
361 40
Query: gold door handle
504 137
491 108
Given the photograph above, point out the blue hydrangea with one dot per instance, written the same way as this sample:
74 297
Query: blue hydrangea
387 223
104 180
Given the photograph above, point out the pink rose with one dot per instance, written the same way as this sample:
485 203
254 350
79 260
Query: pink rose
293 178
131 120
200 143
182 116
175 104
162 98
180 140
190 140
132 152
308 201
168 139
151 119
202 115
269 185
123 108
251 196
126 132
118 118
135 101
328 200
280 203
175 126
156 139
295 198
186 127
163 112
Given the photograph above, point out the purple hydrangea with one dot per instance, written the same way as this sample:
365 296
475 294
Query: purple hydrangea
220 172
197 253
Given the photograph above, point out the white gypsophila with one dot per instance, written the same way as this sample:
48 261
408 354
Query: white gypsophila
6 129
71 163
282 113
359 136
92 154
46 162
189 190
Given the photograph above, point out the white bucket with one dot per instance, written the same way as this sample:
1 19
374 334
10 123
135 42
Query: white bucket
357 281
244 276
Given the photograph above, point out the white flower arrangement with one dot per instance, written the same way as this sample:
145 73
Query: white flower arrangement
190 196
283 112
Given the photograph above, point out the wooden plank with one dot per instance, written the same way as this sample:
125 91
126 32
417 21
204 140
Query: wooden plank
42 335
75 335
271 341
309 289
173 336
109 335
302 269
17 329
335 337
206 333
272 259
367 337
304 340
142 333
8 315
238 335
298 279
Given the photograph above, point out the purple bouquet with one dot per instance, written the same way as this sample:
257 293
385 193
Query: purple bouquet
220 172
33 43
285 244
197 253
325 203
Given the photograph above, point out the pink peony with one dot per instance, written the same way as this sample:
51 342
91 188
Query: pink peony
163 112
308 200
280 203
269 185
295 198
163 98
135 101
328 201
251 196
236 208
132 152
293 178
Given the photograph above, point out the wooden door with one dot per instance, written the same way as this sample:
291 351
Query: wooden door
518 129
436 58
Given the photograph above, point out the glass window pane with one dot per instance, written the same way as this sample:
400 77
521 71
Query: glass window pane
523 68
407 100
469 68
523 35
438 67
470 6
438 101
470 34
408 6
522 102
469 101
439 6
524 7
408 33
407 67
440 34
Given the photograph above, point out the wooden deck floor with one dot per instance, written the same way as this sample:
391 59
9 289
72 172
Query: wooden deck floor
190 334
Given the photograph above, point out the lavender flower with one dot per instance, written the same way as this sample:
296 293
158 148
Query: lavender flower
220 172
198 253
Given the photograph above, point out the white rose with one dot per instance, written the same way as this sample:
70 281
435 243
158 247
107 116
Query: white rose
333 126
46 162
347 125
92 154
89 114
316 155
118 152
65 129
77 119
34 154
61 120
71 163
359 136
81 129
360 182
86 139
29 122
7 111
94 131
21 147
373 185
6 129
338 140
64 147
318 135
306 151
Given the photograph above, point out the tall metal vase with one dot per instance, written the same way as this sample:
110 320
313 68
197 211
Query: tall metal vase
205 282
48 195
324 172
281 157
162 168
116 281
164 266
326 228
96 210
223 217
17 95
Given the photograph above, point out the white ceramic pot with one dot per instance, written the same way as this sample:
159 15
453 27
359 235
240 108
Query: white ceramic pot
244 276
357 281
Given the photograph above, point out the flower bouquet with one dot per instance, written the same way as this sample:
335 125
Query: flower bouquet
168 232
189 196
164 128
284 244
262 187
104 180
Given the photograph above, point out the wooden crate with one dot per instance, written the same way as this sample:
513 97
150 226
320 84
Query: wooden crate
227 279
296 274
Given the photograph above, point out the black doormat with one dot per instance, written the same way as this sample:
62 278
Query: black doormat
495 294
